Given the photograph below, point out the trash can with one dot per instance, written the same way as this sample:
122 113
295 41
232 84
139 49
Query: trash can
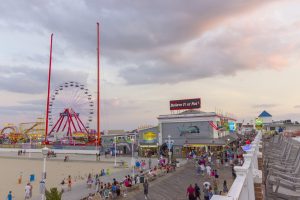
32 178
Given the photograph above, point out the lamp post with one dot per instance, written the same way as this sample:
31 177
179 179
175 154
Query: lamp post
132 159
115 141
157 144
169 147
44 152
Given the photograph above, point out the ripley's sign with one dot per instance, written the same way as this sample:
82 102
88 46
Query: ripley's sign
185 104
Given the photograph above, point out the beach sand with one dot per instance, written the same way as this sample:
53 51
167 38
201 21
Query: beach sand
12 168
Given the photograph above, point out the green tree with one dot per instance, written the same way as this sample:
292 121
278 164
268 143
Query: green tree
53 194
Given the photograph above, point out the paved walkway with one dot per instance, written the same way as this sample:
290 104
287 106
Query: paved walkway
173 186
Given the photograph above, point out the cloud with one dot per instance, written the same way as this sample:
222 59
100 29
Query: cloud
263 106
244 44
22 109
33 80
147 41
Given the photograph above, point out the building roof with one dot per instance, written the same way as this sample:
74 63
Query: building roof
114 132
265 114
188 114
191 112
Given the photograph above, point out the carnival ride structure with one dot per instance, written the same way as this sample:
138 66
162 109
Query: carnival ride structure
35 131
10 134
71 111
24 132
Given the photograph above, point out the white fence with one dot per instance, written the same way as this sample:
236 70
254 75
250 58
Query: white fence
62 151
248 174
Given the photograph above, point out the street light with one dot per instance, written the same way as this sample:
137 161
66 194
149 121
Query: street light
115 141
169 147
157 144
132 159
45 151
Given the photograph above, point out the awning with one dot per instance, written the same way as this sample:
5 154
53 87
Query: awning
200 145
148 146
204 142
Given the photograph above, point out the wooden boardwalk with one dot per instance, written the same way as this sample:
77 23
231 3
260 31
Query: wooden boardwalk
173 186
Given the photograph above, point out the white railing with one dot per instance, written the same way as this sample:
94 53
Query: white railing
247 174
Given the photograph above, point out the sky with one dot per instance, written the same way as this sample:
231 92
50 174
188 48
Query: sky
241 57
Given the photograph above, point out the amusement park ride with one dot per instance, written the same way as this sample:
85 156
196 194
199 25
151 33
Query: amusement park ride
69 114
71 110
24 132
67 125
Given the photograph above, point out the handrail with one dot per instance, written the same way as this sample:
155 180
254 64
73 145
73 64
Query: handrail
243 185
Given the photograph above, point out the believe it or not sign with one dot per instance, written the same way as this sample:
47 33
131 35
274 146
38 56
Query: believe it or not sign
185 104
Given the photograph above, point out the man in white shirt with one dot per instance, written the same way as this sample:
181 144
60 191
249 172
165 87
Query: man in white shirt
208 170
27 191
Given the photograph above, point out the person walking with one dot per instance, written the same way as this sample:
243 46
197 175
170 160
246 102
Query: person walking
27 191
190 192
206 190
225 188
69 183
208 170
150 162
197 192
146 188
202 168
216 189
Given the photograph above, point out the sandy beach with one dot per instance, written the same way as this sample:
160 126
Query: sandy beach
12 168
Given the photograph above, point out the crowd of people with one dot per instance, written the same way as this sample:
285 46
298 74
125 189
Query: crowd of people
119 188
208 163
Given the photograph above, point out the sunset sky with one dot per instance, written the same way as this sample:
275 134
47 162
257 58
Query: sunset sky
238 56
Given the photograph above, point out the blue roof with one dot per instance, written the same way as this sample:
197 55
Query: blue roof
265 114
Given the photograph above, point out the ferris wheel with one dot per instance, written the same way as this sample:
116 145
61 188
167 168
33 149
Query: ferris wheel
71 99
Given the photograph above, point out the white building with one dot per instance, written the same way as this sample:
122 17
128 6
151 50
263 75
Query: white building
266 117
194 129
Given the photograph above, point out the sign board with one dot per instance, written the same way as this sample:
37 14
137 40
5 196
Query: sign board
232 126
150 137
258 123
185 104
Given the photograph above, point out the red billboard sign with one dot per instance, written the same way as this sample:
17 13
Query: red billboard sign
185 104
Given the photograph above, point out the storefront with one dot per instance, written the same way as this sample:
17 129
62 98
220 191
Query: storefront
148 142
196 131
123 143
